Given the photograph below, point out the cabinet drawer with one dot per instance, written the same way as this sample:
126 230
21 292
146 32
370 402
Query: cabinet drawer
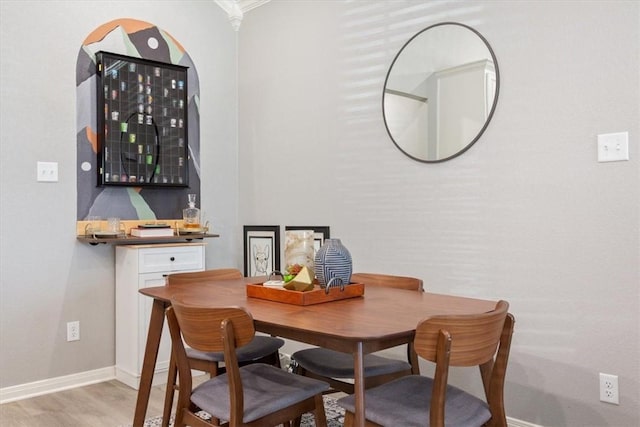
169 259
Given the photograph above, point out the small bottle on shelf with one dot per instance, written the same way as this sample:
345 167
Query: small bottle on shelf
191 214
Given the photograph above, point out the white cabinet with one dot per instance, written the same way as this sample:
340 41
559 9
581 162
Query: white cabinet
137 267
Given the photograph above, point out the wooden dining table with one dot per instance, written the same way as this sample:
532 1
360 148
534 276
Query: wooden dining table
381 318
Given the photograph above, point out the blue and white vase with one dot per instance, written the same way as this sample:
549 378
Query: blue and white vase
333 264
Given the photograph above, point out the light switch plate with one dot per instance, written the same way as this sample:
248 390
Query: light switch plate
613 147
47 171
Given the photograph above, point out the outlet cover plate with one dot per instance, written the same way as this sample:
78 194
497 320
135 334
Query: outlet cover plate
47 172
609 389
613 147
73 331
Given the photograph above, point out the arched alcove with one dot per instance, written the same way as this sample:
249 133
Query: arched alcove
141 40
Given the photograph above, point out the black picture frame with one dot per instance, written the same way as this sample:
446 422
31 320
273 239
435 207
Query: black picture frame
142 122
261 249
320 233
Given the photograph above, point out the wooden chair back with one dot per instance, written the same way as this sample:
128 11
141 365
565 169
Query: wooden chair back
390 281
203 276
201 326
468 340
198 363
209 329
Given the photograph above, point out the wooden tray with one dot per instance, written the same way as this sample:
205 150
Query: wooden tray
316 296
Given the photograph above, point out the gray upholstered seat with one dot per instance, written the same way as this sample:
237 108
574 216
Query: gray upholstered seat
335 364
267 389
256 349
404 399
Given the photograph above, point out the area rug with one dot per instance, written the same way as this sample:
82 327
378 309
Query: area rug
335 416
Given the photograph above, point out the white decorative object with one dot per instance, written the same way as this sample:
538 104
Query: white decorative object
298 250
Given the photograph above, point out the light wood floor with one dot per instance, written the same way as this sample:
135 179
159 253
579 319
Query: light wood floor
107 404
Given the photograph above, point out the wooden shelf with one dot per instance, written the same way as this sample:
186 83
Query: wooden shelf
133 240
127 239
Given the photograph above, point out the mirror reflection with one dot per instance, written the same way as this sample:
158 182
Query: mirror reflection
440 92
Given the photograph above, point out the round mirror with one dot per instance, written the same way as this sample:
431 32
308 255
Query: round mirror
440 92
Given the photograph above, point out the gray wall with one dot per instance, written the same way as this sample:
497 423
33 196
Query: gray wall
47 277
527 214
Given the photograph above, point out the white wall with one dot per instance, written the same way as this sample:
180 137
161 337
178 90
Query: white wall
47 277
527 214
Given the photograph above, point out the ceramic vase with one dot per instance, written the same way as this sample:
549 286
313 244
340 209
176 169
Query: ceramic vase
333 263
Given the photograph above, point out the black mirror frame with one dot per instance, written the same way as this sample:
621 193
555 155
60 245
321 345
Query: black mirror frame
493 107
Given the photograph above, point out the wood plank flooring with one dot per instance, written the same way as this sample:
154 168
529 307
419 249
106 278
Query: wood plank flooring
106 404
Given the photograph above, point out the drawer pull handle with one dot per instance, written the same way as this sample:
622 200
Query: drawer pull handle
172 258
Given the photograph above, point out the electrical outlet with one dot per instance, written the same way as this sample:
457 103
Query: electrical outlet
73 331
609 388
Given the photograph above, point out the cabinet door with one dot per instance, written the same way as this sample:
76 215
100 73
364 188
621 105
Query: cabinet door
137 268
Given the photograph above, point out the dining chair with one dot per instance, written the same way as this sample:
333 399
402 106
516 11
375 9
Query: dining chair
256 395
446 340
335 367
262 349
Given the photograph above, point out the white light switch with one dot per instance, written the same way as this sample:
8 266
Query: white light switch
613 147
47 171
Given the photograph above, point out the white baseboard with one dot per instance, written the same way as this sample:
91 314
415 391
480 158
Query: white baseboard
133 380
51 385
512 422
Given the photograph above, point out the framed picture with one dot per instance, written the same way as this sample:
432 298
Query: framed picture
142 122
320 233
261 249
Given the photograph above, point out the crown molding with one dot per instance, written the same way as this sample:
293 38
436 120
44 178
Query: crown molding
247 5
237 8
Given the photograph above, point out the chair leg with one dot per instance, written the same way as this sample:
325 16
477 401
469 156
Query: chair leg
171 387
276 360
179 422
318 412
213 372
271 359
349 419
412 357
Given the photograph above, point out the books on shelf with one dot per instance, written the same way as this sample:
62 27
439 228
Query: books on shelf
156 231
